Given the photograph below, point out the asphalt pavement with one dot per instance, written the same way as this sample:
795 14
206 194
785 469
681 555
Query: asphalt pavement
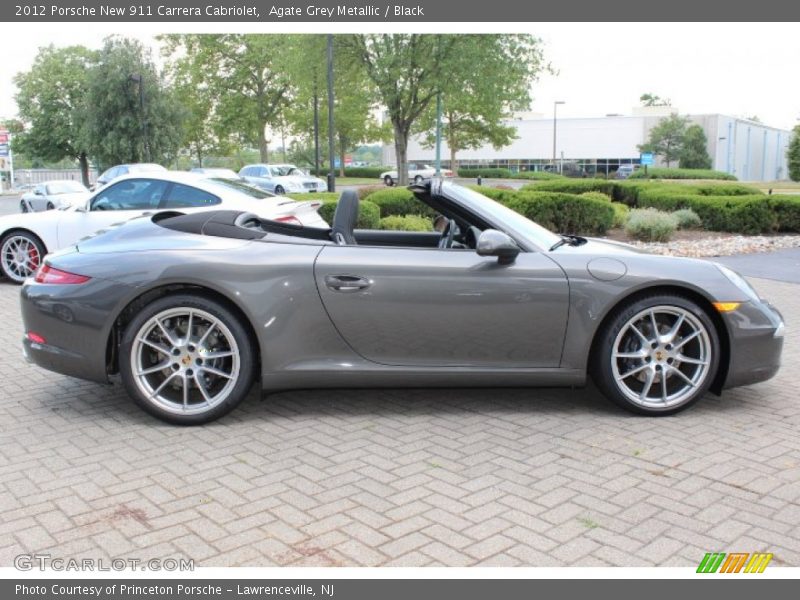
781 265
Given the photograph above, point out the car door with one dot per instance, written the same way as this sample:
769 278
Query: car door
431 307
113 204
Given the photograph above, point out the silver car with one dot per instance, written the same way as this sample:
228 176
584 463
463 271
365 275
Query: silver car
189 311
282 179
53 194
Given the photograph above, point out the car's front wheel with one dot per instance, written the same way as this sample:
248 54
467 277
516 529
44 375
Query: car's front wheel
657 355
418 179
279 190
23 206
388 180
21 253
187 359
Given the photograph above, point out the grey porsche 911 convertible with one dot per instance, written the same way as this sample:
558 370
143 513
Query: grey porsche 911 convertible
190 309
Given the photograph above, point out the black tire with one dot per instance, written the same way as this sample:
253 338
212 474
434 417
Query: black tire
418 179
10 267
240 385
279 190
603 363
388 181
23 206
50 206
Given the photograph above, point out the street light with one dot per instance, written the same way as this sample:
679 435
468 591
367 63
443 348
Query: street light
555 113
139 79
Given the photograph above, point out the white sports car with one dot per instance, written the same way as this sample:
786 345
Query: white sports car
26 238
53 194
416 173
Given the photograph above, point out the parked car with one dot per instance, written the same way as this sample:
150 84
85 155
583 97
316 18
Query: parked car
191 309
53 194
625 171
25 239
216 172
282 179
113 173
417 172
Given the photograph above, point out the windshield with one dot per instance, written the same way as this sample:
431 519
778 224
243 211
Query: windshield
65 187
239 186
515 221
283 170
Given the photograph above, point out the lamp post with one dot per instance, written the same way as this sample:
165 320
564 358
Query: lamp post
555 122
139 79
331 150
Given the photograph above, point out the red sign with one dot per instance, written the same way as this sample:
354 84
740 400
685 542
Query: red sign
3 138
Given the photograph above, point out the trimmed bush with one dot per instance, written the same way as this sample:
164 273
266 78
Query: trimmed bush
499 195
369 215
366 172
786 211
621 212
572 186
366 190
686 218
596 196
486 173
650 225
537 175
325 196
564 213
398 201
406 223
663 173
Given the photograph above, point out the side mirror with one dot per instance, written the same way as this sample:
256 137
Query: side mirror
496 243
84 207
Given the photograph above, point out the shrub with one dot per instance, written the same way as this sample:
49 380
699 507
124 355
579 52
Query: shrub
621 212
369 215
406 223
686 218
663 173
498 194
489 173
596 196
650 225
538 175
786 212
366 190
326 196
564 213
572 186
398 201
367 172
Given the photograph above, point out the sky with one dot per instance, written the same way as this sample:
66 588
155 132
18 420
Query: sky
740 69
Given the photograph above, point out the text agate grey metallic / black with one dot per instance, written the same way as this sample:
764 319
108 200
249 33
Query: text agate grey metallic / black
191 309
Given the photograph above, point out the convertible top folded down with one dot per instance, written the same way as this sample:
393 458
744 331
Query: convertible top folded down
234 224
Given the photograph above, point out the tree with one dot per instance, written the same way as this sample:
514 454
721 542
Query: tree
666 138
51 102
246 79
793 155
498 72
653 100
694 153
119 126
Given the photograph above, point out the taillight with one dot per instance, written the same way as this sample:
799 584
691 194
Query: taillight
36 338
48 274
289 219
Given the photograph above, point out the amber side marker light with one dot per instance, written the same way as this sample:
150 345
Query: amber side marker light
726 306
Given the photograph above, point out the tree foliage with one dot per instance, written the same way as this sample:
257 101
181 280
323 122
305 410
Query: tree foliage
118 127
793 155
51 100
694 153
495 78
649 99
666 138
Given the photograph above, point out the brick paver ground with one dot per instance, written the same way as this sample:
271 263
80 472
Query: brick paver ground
397 477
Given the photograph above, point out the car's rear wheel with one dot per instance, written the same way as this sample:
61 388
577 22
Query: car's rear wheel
279 190
21 253
187 359
23 206
387 180
50 206
657 355
418 179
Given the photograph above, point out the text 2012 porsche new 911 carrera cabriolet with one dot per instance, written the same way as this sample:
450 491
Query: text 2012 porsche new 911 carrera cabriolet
191 309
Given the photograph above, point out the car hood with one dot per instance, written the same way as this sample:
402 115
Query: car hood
603 246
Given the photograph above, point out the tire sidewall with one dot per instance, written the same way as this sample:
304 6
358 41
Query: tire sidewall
601 363
240 335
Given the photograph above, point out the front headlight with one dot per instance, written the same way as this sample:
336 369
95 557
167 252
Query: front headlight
739 282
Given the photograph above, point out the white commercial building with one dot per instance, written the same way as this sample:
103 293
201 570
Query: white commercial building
747 149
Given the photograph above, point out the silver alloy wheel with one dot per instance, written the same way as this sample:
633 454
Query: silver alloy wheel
20 256
185 361
661 356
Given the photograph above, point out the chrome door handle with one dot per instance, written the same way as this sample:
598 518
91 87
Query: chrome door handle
346 283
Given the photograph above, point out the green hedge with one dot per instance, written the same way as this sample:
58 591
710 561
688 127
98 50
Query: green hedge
786 210
663 173
369 215
565 213
407 223
367 172
537 175
572 186
500 195
325 196
399 201
485 173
